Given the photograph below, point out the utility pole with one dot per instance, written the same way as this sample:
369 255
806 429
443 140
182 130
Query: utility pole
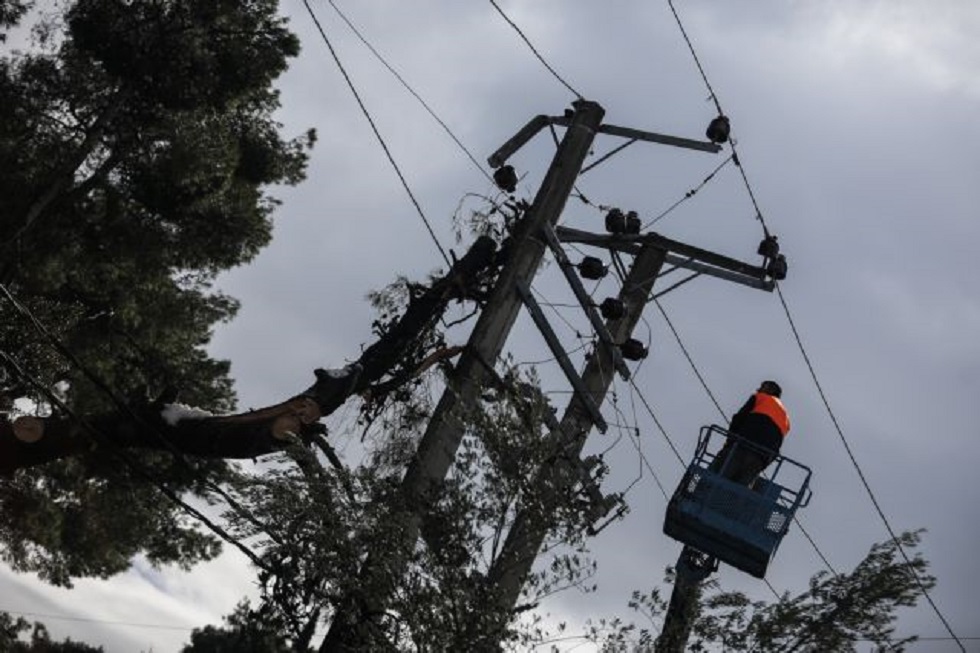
531 524
352 625
692 569
533 521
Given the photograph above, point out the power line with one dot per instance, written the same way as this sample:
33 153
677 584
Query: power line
608 155
689 194
534 50
408 87
690 360
656 420
717 103
707 389
639 451
108 622
799 342
377 133
135 466
55 343
694 54
857 467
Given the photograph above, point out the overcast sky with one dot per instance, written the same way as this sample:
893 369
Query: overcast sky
857 125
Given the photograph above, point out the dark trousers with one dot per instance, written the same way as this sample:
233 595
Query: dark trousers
745 463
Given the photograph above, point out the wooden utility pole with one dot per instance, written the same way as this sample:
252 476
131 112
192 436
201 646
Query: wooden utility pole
352 625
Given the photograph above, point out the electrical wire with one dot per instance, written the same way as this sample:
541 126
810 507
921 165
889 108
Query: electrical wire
806 358
689 194
860 472
377 133
534 50
690 360
411 90
108 622
717 103
694 54
656 420
644 461
608 155
92 432
124 408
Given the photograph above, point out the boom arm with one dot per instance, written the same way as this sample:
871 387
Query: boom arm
693 568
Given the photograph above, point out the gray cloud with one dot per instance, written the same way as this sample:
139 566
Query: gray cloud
857 126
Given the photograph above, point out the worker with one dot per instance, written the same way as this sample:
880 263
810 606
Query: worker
762 423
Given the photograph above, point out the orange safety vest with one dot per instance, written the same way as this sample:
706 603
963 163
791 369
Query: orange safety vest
772 408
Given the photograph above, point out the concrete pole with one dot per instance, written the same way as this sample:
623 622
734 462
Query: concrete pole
509 572
437 449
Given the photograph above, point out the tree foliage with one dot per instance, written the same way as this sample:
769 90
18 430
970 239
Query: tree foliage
13 638
137 142
836 613
245 631
137 146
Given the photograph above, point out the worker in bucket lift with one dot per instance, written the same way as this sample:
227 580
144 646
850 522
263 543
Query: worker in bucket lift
763 424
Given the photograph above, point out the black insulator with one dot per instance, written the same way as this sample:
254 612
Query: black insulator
634 350
778 267
633 223
615 221
719 130
592 268
505 178
612 308
769 247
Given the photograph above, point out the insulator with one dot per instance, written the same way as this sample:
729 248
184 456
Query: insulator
778 267
615 221
718 130
769 247
592 268
506 178
634 350
633 223
612 308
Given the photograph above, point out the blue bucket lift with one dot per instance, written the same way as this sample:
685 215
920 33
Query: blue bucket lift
737 524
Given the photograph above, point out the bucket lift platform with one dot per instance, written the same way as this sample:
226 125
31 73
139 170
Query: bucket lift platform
739 525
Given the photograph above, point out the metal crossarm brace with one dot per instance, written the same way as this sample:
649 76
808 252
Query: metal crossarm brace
678 254
650 137
583 298
563 361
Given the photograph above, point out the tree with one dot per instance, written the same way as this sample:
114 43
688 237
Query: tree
136 144
245 632
834 614
40 641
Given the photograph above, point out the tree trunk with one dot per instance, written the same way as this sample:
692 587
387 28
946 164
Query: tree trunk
30 441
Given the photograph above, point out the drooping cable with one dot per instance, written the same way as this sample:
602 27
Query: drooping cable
534 50
377 133
656 420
